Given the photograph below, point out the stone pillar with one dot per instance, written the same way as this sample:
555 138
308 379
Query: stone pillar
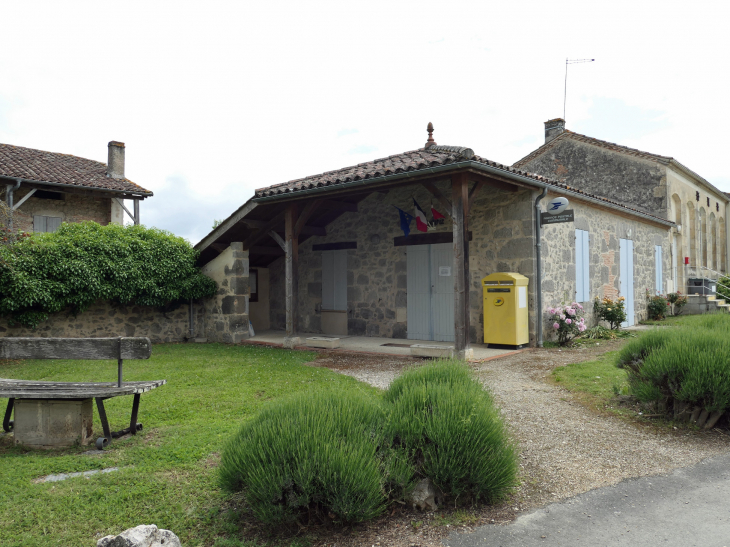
292 277
228 309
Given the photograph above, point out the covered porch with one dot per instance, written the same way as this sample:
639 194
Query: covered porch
327 255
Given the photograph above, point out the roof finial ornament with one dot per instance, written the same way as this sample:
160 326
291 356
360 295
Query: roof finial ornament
430 142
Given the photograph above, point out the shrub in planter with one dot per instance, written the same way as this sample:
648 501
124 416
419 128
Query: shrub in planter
568 322
677 301
611 311
447 426
656 307
312 453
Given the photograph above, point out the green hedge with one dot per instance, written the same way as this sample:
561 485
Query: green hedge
689 364
348 454
81 263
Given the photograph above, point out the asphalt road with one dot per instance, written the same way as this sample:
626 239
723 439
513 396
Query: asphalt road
690 507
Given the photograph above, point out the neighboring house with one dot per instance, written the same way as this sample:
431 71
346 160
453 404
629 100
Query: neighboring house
326 253
46 188
656 184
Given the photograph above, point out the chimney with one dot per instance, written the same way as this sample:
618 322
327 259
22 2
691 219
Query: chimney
115 165
553 128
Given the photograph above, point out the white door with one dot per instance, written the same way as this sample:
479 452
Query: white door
430 292
442 292
419 292
626 278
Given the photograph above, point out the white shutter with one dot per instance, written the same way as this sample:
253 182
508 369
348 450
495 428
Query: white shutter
586 268
52 223
334 280
658 268
340 280
328 280
39 223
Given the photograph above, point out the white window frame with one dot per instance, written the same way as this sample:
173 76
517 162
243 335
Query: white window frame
658 282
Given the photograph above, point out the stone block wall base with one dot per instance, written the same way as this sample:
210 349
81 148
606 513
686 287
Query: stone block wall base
423 350
323 342
292 342
464 355
52 423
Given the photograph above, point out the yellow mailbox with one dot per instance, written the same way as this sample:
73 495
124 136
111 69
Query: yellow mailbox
505 309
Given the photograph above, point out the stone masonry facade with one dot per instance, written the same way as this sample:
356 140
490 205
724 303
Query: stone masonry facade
502 228
605 229
72 208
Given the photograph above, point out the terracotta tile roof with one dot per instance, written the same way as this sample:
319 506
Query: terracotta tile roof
567 134
421 160
52 167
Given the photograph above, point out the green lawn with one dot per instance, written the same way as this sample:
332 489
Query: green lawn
597 380
167 472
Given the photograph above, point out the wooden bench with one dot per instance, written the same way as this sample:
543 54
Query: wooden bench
50 414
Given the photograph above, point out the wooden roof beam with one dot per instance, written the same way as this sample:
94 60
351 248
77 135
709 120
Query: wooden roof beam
262 232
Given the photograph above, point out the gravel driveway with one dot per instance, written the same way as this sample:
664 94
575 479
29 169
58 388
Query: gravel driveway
565 448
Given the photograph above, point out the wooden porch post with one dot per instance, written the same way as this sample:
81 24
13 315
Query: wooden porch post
460 213
292 277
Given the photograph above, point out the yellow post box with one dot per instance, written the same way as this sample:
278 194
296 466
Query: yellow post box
506 320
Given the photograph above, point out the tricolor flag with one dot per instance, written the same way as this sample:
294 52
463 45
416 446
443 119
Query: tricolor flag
421 222
436 214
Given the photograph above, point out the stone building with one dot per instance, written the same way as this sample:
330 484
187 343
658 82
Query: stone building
44 189
327 253
660 185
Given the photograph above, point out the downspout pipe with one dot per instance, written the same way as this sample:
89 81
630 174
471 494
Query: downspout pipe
538 269
12 189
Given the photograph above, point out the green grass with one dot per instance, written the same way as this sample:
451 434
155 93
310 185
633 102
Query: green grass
168 472
598 381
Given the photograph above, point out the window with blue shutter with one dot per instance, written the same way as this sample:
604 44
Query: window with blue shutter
658 285
582 266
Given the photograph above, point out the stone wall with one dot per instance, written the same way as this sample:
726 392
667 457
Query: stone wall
605 229
630 180
222 318
104 320
72 208
501 224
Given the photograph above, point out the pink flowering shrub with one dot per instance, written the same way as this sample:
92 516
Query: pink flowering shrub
568 321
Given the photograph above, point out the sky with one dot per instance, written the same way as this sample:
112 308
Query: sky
216 99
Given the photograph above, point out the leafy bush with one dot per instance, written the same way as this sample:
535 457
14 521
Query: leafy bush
690 364
313 452
611 311
447 426
599 332
723 288
677 301
81 263
568 321
656 307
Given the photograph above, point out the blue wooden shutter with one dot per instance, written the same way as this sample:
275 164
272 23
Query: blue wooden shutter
582 267
658 268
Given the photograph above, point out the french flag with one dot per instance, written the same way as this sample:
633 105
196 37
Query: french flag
421 222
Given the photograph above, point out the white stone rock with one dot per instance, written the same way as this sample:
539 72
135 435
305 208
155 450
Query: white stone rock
423 496
141 536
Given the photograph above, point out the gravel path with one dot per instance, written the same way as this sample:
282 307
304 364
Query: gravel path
565 448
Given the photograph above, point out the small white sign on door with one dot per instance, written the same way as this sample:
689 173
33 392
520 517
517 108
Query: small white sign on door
444 271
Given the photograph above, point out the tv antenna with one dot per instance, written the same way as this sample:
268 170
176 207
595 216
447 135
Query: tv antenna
571 62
